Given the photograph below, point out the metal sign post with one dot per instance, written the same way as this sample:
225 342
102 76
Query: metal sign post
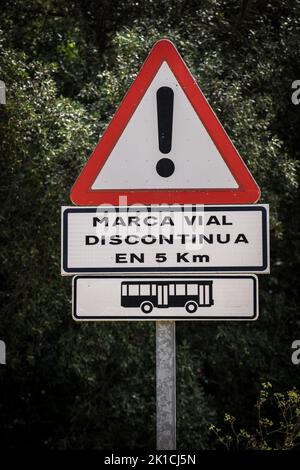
166 385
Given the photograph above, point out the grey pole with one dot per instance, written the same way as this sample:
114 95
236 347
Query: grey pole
165 385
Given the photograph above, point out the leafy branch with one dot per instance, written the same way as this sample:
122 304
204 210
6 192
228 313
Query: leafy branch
280 432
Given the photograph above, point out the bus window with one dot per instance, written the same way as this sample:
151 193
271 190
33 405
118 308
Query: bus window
145 289
124 289
192 289
180 289
153 289
171 289
133 289
207 295
201 294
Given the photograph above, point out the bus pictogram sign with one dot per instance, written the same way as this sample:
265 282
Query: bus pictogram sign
230 297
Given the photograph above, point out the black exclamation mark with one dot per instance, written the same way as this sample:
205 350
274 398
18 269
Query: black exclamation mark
165 99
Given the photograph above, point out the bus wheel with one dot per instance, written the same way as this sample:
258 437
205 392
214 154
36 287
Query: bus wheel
191 307
146 307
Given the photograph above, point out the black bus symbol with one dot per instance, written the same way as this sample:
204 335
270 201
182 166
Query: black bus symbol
167 294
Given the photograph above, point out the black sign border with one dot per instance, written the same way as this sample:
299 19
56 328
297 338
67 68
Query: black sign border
247 269
162 317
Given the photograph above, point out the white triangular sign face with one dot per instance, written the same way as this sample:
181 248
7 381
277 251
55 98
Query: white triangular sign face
165 145
197 161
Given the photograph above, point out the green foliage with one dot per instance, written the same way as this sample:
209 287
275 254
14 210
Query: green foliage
281 430
67 66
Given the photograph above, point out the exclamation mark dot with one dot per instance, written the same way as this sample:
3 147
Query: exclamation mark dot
165 99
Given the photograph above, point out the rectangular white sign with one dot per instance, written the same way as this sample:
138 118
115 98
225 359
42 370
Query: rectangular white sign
165 239
165 297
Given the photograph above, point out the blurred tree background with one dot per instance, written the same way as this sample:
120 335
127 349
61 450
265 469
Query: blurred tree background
67 65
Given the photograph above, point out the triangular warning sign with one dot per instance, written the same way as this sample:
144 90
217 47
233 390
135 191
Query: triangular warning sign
164 145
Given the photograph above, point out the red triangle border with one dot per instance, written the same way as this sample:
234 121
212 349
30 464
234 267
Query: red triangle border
248 190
